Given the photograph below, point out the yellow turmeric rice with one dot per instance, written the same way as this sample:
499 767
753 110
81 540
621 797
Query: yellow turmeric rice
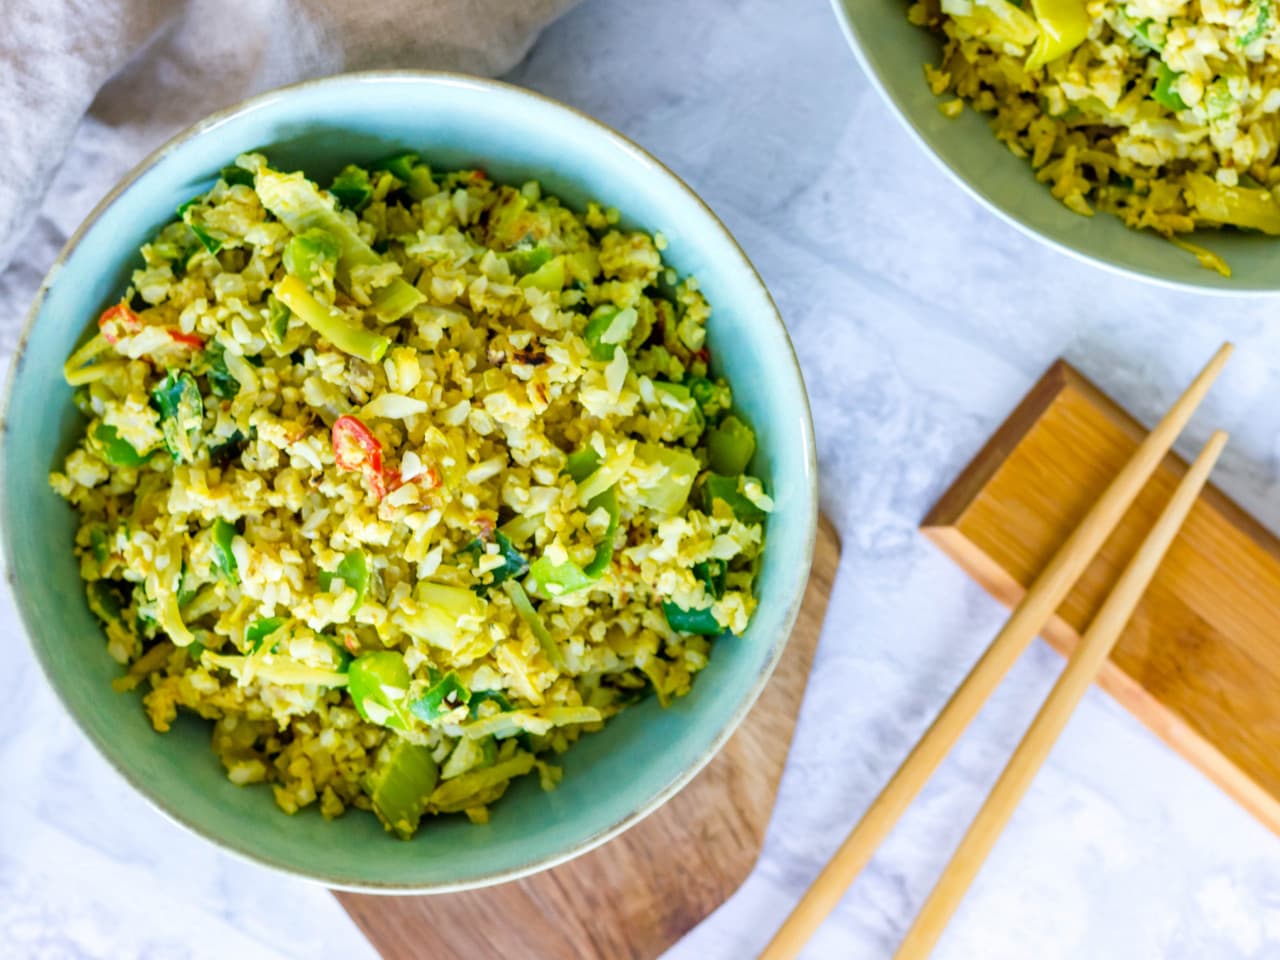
406 483
1162 112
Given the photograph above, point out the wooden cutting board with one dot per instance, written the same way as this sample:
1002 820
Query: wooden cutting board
1200 661
630 898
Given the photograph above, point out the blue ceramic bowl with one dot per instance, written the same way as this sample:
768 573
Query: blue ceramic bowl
613 778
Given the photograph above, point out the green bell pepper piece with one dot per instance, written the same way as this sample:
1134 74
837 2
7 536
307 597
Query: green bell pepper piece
691 621
352 188
730 446
224 559
115 450
353 570
728 489
379 684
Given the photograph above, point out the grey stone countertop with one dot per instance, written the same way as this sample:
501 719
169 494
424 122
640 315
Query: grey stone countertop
920 320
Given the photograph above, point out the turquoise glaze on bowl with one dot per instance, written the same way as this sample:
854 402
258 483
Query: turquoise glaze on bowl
613 778
893 53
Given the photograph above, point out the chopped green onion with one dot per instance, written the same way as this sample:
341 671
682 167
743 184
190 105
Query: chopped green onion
221 382
524 262
513 563
486 696
524 607
608 501
581 464
549 277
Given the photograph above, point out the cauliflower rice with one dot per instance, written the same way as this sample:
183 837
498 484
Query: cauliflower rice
1162 112
407 483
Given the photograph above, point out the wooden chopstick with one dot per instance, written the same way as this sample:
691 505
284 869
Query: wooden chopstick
1080 672
1028 618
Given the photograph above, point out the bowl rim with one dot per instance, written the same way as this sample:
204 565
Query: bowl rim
859 43
810 495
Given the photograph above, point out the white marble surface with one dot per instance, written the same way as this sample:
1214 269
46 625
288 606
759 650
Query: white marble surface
920 319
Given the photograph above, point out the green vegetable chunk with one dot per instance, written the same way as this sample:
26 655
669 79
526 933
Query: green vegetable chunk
331 323
353 570
399 784
513 563
1163 93
297 203
609 328
607 501
399 165
115 450
258 632
312 255
352 188
445 695
379 683
181 412
107 599
224 559
730 446
524 607
555 580
691 621
221 383
728 489
234 176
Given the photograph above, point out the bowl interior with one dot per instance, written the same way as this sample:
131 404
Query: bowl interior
894 52
610 777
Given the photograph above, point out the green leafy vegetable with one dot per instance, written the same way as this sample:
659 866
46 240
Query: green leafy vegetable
258 632
444 696
181 411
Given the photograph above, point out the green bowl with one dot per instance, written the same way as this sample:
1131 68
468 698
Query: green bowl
893 53
612 778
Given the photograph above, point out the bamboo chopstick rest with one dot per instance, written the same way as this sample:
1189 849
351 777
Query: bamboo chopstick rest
1081 669
1028 618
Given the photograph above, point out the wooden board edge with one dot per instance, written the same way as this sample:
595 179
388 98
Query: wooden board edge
822 579
953 503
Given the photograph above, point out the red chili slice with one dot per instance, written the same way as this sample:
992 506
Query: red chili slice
356 448
117 321
191 340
